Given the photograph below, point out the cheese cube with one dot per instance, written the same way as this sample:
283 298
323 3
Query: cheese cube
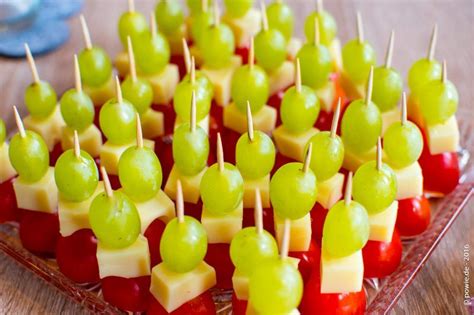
353 160
49 128
300 232
389 117
160 206
292 145
414 112
244 27
110 154
251 185
41 196
282 78
190 185
175 40
90 140
341 275
443 137
222 80
130 262
382 224
153 124
203 123
74 216
101 94
409 181
164 84
264 120
6 170
122 64
326 96
222 228
330 190
336 55
173 289
353 91
293 47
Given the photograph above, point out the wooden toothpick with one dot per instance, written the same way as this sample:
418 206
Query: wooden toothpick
258 211
179 202
389 53
204 6
220 153
249 122
131 58
77 75
108 188
19 122
404 108
131 6
264 16
31 62
139 132
77 147
307 160
370 83
251 60
153 26
317 36
335 118
85 32
360 28
216 14
433 40
319 5
444 72
379 154
192 73
348 192
118 90
186 55
285 241
298 75
193 111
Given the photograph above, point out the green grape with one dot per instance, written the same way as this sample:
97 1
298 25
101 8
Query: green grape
201 22
95 66
374 189
270 49
346 229
169 16
327 156
275 287
327 27
222 191
76 177
29 156
250 85
387 88
183 244
40 99
182 100
280 17
190 149
118 121
438 101
217 46
403 144
140 173
299 110
114 220
357 58
249 248
195 6
139 93
255 158
152 53
238 8
131 24
77 109
422 72
361 126
3 132
293 192
316 65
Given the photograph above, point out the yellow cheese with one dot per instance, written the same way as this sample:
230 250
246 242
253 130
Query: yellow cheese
196 53
300 232
352 161
74 216
90 140
389 117
244 27
101 94
282 78
6 170
164 84
190 185
330 190
292 145
122 64
49 129
353 91
251 185
414 112
336 55
409 181
130 262
443 137
383 223
341 275
222 80
175 40
326 96
160 206
173 289
222 228
39 196
203 123
153 124
110 154
264 120
293 47
251 311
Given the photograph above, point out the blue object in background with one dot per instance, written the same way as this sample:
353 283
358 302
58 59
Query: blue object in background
40 23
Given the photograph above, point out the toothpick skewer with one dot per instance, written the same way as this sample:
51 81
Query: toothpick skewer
307 160
251 60
139 132
444 72
298 76
404 108
193 111
204 5
108 188
285 242
317 35
85 32
19 122
319 5
131 58
186 55
370 84
179 202
348 192
118 90
249 122
77 148
220 153
379 154
131 6
335 118
31 62
433 40
154 28
264 16
360 28
77 75
389 54
216 13
258 211
192 73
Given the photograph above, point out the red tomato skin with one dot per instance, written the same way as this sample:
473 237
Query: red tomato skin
128 294
39 232
76 256
200 305
318 217
308 260
440 171
218 256
414 216
8 210
153 234
239 307
382 258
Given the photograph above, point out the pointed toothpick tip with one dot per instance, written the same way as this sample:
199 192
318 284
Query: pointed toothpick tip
77 147
348 192
307 160
186 55
220 153
389 53
131 58
370 84
360 28
139 132
433 40
193 111
379 154
108 188
285 241
298 75
77 75
404 109
32 64
258 211
250 122
85 32
335 118
179 202
118 90
19 122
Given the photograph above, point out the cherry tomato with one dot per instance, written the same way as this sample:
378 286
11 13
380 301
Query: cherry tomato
244 53
218 256
308 260
239 307
39 232
129 294
153 234
200 305
76 256
414 215
318 216
382 258
8 210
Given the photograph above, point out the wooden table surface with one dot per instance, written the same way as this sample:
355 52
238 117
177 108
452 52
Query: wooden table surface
438 288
